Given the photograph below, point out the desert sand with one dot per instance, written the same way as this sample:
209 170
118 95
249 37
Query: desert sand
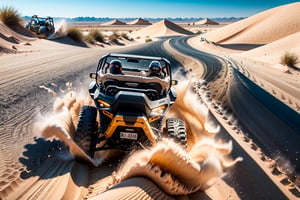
42 89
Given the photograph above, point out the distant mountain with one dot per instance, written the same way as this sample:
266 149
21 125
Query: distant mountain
107 19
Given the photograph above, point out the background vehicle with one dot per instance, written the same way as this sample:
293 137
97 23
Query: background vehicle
131 107
43 26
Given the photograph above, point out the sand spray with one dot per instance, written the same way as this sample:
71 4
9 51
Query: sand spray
60 30
175 169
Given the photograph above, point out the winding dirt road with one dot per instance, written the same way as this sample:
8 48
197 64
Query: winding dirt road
34 168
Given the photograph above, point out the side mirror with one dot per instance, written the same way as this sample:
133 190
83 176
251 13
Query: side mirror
174 82
93 75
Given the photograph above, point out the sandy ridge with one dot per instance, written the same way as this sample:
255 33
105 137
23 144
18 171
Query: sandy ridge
282 86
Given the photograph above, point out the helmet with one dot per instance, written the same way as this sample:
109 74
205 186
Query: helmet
155 67
115 67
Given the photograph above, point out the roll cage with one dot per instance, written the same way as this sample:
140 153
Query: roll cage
135 68
41 21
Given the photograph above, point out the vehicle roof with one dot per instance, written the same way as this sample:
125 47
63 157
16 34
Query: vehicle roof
35 16
120 55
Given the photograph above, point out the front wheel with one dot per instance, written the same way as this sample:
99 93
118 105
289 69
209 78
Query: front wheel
86 130
176 130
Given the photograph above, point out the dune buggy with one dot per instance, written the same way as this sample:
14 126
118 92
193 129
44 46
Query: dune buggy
131 107
43 26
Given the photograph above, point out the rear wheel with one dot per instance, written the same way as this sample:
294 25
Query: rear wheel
85 135
176 130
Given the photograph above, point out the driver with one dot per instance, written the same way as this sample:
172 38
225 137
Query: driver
115 67
155 69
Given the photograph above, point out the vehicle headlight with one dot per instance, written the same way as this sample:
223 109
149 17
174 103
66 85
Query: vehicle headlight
103 104
159 110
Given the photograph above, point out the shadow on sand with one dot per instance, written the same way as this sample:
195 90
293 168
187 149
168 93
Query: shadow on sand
242 47
50 159
69 41
117 42
40 157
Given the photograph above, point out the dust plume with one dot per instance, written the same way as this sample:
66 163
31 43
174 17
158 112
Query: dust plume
61 121
60 30
195 114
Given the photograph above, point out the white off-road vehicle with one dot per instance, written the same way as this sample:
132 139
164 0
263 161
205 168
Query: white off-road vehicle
131 104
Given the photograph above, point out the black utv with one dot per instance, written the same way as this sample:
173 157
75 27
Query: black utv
132 95
43 26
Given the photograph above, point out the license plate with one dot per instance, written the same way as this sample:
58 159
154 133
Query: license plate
128 135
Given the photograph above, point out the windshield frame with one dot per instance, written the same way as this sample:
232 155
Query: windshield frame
134 63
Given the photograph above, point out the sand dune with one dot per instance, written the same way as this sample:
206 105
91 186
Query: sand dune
263 28
272 52
114 22
12 41
162 28
139 21
206 22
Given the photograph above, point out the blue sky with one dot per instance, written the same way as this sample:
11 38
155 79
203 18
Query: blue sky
141 8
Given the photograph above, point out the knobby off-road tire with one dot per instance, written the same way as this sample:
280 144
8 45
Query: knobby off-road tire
86 130
176 130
